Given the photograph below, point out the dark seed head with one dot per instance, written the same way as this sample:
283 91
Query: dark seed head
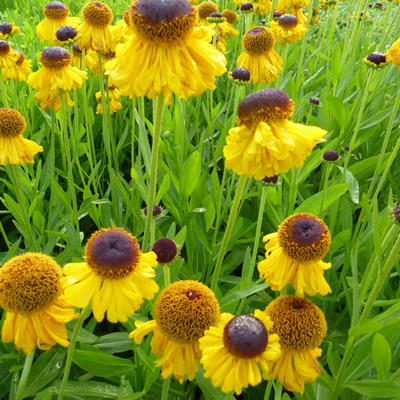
165 249
305 231
246 7
314 100
66 32
287 21
245 336
156 210
54 57
271 179
347 148
241 74
276 14
377 58
330 155
5 28
157 11
4 48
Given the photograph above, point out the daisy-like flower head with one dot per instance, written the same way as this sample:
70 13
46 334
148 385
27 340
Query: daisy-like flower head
7 56
14 149
230 15
266 142
57 74
21 70
31 293
116 276
287 29
167 54
206 8
376 60
259 56
301 327
239 351
262 6
113 99
294 255
7 28
183 311
247 8
165 249
56 15
96 32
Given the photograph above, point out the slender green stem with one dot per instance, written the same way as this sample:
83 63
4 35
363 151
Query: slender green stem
149 230
165 389
85 312
15 178
167 275
228 231
256 241
24 376
3 91
325 186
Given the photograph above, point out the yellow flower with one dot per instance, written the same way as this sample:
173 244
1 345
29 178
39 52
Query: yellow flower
287 30
230 15
266 143
376 60
226 30
8 58
21 70
287 4
182 312
95 67
56 15
239 351
14 149
36 310
205 9
167 54
55 75
116 276
7 28
96 32
301 327
262 6
91 59
124 25
393 54
259 56
294 255
114 96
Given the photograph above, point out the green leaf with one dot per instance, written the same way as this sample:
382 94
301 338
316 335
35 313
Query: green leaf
369 327
45 369
381 355
313 203
116 342
191 174
381 389
101 364
239 294
163 188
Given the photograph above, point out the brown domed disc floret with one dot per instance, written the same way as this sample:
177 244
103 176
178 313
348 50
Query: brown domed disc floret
29 283
55 57
112 253
163 20
97 14
230 16
287 21
258 40
56 10
206 8
126 17
12 123
245 336
21 58
304 237
65 33
4 48
298 322
184 310
5 28
265 105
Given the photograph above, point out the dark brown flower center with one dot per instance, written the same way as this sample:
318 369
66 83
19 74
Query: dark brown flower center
287 21
55 57
12 123
4 48
56 10
258 40
245 336
5 28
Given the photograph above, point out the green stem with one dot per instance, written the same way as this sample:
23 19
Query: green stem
30 238
24 376
85 312
256 241
167 275
165 389
149 230
325 186
3 91
228 231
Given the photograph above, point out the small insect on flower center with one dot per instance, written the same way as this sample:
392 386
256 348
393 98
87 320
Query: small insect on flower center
184 310
21 58
206 8
56 10
265 105
258 40
29 283
163 21
97 14
4 48
55 57
5 28
230 16
112 253
12 123
245 336
299 323
304 237
287 21
65 33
